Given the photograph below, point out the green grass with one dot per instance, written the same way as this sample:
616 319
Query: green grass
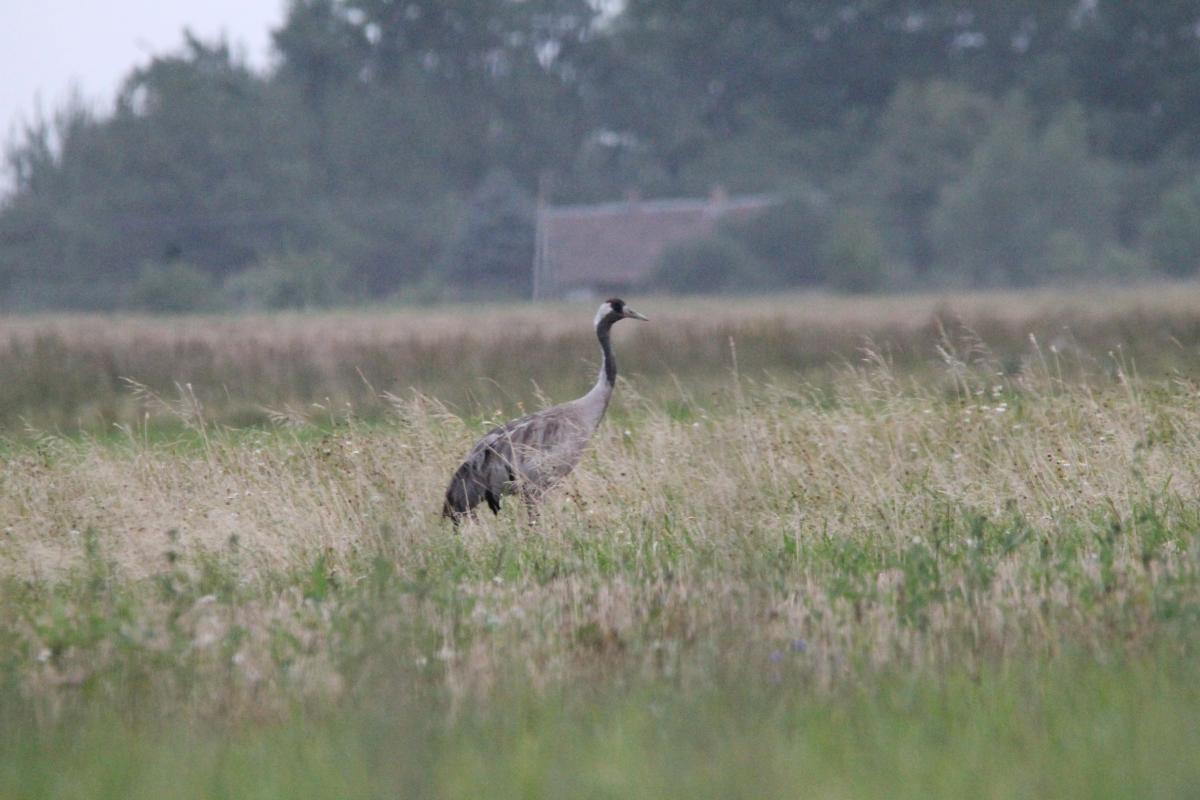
1074 728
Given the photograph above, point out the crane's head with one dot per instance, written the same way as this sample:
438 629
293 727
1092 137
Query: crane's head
614 309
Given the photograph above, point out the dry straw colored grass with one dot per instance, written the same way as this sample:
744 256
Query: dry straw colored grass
71 372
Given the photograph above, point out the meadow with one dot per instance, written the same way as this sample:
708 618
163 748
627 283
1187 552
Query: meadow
916 546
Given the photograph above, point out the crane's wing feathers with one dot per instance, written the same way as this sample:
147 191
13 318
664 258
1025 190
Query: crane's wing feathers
530 453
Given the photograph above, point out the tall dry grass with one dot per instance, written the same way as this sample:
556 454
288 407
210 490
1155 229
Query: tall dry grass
68 373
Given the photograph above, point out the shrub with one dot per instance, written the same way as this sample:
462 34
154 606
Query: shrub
708 266
291 280
1173 233
786 238
852 257
173 288
1124 263
492 251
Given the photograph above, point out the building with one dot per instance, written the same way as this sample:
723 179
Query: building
610 248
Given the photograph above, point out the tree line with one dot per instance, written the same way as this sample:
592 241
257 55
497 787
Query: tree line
395 148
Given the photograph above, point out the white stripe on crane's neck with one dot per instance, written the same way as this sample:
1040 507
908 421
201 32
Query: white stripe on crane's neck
604 310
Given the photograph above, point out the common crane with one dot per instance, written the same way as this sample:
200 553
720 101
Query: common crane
530 455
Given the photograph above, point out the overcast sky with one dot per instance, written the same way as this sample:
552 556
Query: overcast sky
48 46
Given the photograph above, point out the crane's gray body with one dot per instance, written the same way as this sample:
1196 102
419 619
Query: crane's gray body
530 455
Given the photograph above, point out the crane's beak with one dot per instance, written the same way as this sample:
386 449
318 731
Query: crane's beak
629 312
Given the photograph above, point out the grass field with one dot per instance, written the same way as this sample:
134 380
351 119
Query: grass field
903 547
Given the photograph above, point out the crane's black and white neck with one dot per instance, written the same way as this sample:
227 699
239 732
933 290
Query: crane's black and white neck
607 315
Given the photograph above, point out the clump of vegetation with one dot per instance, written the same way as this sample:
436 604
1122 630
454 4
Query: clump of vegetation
491 253
291 281
787 238
708 266
1024 195
1174 231
928 134
852 255
173 288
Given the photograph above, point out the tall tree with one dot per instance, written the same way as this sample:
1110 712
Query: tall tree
492 252
926 136
1023 197
1138 64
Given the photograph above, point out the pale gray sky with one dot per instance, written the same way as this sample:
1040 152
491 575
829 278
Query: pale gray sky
48 46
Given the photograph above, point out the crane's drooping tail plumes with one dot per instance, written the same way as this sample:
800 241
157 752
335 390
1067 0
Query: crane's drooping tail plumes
531 454
481 477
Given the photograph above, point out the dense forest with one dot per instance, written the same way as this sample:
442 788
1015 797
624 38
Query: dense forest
394 150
